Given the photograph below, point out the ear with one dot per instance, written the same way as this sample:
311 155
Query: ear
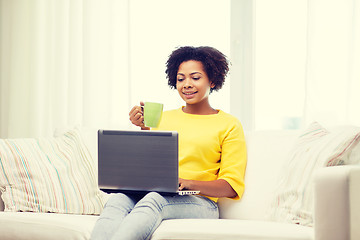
212 85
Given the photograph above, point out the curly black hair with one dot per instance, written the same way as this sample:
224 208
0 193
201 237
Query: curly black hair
214 62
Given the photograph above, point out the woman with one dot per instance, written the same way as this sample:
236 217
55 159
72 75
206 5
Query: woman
212 152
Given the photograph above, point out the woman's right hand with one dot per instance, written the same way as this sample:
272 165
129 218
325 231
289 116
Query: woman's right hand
136 115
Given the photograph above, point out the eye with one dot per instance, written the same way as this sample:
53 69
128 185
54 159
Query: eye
180 79
196 78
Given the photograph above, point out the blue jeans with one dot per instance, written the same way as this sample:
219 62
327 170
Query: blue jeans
126 217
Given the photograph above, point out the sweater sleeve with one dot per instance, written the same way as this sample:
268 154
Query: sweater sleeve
234 159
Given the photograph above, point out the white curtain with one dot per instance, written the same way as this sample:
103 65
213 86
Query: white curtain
333 62
58 58
87 62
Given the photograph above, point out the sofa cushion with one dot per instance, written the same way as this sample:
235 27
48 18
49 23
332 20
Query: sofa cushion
45 226
267 152
315 148
52 226
49 175
227 229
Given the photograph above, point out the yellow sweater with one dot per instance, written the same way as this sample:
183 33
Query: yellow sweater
210 147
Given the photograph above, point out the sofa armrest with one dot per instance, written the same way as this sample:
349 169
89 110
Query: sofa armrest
337 203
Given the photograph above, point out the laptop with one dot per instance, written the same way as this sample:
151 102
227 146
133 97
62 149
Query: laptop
138 162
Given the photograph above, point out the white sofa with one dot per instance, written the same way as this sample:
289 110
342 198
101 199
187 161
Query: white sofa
337 205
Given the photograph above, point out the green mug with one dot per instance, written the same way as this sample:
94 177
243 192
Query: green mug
152 114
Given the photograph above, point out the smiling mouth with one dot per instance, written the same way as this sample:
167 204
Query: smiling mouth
190 93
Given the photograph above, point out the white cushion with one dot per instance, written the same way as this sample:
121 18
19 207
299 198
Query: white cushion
89 136
45 226
226 229
267 152
315 148
52 226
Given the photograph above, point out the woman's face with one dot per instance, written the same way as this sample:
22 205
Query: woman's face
192 82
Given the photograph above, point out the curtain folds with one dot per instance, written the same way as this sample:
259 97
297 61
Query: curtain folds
333 60
71 62
57 57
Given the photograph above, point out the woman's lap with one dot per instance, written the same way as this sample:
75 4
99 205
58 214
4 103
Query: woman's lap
126 218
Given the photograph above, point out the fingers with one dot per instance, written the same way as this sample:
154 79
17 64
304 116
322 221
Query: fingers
181 184
136 116
186 184
135 112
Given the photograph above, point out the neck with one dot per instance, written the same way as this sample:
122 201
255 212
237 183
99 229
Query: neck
199 109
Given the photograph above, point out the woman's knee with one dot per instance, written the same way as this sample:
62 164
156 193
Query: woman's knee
153 195
153 200
120 200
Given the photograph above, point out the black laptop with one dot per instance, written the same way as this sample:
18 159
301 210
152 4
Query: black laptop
139 162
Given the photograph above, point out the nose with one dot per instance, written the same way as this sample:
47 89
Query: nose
187 83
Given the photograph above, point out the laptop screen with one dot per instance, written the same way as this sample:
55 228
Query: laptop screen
139 161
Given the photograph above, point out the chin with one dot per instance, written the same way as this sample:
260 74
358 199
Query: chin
190 101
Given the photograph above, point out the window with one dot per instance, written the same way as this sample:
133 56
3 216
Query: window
155 33
280 63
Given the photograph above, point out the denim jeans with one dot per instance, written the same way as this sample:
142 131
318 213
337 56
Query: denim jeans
131 218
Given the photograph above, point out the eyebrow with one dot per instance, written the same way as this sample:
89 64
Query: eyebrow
190 73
